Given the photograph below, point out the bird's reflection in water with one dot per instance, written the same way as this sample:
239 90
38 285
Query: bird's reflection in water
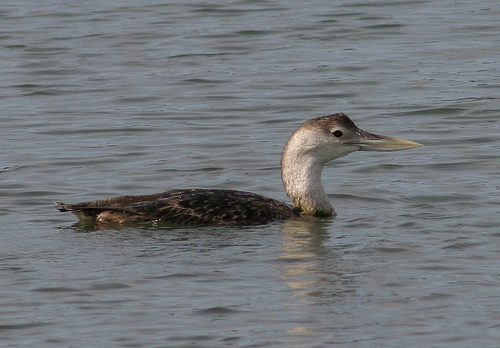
310 268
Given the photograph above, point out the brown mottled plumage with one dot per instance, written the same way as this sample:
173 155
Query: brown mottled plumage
185 207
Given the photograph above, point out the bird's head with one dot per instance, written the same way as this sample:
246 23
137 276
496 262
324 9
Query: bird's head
329 137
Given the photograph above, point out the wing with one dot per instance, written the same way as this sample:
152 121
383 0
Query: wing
218 207
185 207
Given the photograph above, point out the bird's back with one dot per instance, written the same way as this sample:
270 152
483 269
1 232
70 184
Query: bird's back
185 207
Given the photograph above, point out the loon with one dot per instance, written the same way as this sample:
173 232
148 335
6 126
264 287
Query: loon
311 146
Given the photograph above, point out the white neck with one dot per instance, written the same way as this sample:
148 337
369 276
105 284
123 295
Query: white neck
301 173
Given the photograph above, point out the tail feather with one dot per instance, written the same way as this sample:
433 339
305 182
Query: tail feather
95 209
63 206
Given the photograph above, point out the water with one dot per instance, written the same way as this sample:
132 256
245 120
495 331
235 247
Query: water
105 98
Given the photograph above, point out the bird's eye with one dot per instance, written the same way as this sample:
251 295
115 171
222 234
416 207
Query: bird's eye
338 133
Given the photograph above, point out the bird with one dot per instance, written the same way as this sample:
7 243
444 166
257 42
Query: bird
309 148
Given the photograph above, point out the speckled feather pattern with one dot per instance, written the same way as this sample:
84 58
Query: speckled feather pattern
185 207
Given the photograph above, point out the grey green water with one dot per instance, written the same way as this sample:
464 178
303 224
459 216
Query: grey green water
100 99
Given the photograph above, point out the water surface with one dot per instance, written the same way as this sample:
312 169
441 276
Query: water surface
111 98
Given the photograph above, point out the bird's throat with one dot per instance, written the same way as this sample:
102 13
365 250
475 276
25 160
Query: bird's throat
302 181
